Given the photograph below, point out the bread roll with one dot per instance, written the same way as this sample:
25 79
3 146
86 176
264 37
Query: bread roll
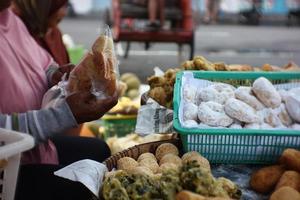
126 163
266 92
171 158
285 193
291 159
290 179
149 163
146 156
265 179
164 149
96 70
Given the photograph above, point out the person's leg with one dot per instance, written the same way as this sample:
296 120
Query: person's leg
161 8
36 182
152 10
215 10
71 149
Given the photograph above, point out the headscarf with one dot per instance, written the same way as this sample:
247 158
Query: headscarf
56 5
49 39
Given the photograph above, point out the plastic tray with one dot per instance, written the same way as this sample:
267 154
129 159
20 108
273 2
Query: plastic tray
12 145
239 146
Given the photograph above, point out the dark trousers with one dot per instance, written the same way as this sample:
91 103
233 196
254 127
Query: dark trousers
37 182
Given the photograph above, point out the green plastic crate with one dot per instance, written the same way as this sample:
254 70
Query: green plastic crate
118 125
238 146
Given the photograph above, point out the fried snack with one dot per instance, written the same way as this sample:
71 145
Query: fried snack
149 163
142 170
168 166
239 68
290 179
241 111
265 179
187 195
126 163
166 148
96 69
201 161
159 95
188 65
220 66
266 93
171 158
213 114
285 193
190 154
291 66
170 76
201 63
156 81
245 94
270 68
291 159
146 156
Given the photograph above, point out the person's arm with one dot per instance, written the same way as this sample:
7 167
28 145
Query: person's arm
54 72
41 124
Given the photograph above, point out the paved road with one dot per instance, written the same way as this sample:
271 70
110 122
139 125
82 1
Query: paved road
229 43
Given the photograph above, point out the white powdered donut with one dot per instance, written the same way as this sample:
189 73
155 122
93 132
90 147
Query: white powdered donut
293 106
266 92
283 115
189 93
241 111
295 127
213 114
283 94
236 126
271 118
190 123
265 126
219 93
190 111
245 94
252 126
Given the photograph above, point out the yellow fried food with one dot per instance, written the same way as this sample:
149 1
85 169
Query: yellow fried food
188 65
126 163
171 158
149 163
168 166
291 159
290 179
265 179
159 95
166 148
193 155
142 170
285 193
220 66
156 81
146 156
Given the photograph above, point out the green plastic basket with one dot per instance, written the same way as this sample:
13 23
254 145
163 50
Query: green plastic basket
238 146
118 125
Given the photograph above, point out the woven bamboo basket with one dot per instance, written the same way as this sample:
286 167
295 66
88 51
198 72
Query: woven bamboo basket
136 151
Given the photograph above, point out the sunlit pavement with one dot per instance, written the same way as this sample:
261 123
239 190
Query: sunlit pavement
254 45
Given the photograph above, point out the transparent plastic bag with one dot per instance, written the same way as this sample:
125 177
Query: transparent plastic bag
98 71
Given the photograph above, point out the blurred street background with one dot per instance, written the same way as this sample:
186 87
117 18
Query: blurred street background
229 40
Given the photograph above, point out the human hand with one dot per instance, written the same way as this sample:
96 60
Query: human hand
58 74
85 107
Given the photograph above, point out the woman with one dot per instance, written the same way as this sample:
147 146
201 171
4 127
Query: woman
27 71
41 19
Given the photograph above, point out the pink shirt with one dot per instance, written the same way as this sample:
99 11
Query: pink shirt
23 80
23 65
